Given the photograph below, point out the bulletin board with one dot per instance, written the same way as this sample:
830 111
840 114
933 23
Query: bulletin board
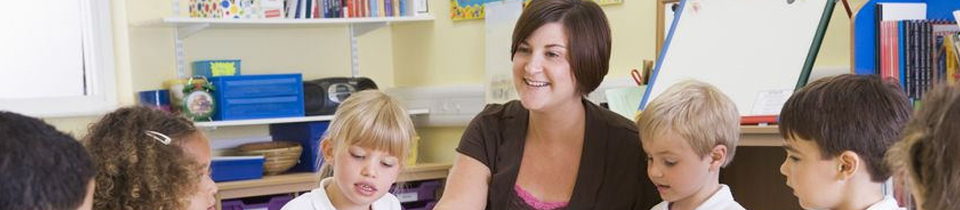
755 52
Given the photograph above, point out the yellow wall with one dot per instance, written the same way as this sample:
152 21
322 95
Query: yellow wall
442 52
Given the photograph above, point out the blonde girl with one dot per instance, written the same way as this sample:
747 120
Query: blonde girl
364 151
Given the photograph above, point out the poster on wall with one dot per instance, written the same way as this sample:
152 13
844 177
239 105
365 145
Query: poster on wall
499 69
474 9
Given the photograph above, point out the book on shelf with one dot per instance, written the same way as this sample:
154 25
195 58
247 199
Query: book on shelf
867 29
911 41
915 52
313 9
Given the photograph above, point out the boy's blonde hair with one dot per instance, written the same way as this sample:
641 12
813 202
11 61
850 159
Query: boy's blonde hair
696 111
370 119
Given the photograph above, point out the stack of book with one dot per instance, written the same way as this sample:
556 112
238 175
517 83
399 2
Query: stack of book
919 53
313 9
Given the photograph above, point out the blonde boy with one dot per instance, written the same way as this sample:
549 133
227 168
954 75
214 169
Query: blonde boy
836 132
689 133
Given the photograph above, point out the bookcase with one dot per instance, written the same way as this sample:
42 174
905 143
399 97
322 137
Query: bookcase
864 30
907 50
295 182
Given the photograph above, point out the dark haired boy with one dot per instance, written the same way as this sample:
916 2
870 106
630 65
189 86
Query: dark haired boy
42 168
836 132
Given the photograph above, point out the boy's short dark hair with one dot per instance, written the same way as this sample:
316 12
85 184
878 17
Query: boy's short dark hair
41 167
858 113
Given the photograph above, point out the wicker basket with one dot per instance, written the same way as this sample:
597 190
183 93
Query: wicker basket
279 156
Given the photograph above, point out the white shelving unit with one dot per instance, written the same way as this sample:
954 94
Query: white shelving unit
294 182
186 26
225 123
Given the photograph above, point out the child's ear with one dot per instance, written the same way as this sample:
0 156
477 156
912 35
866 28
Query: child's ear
848 163
718 156
326 148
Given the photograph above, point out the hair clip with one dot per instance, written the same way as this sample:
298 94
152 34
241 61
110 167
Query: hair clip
159 137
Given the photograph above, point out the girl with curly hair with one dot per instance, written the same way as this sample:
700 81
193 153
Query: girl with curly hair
927 153
150 159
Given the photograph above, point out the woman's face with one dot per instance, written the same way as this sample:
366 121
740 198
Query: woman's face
541 71
203 198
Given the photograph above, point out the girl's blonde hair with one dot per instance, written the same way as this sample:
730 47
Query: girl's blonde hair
370 119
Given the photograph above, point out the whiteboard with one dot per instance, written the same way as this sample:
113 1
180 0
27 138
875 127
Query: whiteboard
755 52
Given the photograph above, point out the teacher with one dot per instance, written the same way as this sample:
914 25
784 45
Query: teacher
552 149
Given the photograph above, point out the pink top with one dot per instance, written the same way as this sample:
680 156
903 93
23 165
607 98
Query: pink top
536 203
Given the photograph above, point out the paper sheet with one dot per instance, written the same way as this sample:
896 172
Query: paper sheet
903 11
769 102
956 15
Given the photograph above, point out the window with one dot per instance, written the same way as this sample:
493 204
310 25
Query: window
57 58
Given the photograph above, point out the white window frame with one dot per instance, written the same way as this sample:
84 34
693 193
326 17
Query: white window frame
98 60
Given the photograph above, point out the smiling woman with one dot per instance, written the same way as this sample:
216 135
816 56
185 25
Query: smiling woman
552 149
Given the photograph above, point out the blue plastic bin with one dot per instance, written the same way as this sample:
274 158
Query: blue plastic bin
252 86
308 134
236 168
258 108
258 96
213 68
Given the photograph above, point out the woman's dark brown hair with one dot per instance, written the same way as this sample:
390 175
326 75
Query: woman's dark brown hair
137 171
930 150
587 32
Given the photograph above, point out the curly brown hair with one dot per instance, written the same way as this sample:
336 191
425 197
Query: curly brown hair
928 153
137 171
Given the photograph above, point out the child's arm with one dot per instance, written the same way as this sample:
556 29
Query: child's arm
466 186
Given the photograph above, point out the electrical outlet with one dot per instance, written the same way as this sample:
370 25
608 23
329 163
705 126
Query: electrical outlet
447 105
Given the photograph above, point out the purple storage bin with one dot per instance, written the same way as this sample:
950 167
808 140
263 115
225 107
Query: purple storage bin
417 191
420 205
275 203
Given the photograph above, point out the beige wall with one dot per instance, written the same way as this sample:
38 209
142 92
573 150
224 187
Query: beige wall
442 52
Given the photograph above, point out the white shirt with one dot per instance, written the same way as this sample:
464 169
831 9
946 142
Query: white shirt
888 203
721 200
317 200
